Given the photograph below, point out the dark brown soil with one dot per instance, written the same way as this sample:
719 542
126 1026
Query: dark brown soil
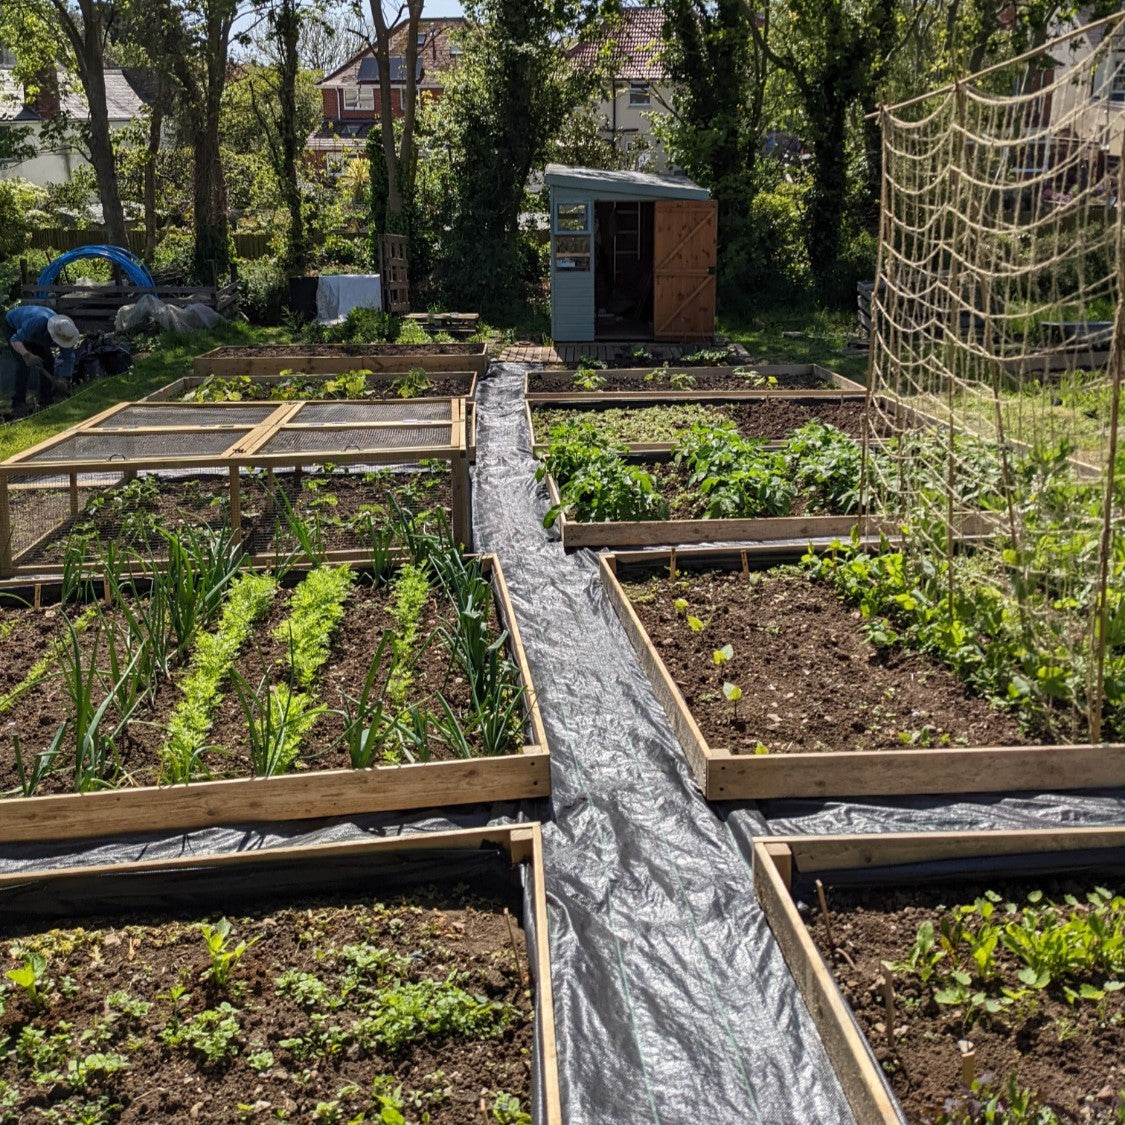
810 680
338 502
1069 1054
350 349
38 713
99 970
562 382
775 418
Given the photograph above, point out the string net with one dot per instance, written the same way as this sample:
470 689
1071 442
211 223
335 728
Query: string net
996 365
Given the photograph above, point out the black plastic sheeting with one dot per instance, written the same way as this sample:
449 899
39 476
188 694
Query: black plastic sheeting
672 1000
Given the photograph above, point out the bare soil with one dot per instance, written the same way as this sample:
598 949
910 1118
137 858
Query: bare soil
305 350
810 680
1069 1054
109 992
37 714
562 382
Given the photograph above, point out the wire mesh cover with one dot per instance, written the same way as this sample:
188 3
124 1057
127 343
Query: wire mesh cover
340 412
358 440
226 414
92 446
997 315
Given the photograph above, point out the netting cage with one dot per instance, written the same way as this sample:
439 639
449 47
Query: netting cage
328 479
997 331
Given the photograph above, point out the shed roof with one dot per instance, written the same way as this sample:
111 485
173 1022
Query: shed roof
641 184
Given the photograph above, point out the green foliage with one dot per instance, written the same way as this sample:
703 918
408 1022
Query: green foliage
263 291
414 384
634 425
985 1104
223 955
17 199
32 977
595 482
211 1035
315 611
248 597
411 590
826 466
738 478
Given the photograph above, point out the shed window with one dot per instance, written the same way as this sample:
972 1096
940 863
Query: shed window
572 252
639 94
572 218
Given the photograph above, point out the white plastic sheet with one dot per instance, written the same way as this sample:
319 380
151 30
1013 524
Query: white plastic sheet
338 294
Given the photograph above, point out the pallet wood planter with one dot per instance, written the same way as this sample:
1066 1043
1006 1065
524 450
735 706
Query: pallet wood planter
787 865
49 481
799 380
504 863
329 359
301 796
726 776
93 308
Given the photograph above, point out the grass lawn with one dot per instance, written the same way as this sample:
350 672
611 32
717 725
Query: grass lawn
798 336
169 359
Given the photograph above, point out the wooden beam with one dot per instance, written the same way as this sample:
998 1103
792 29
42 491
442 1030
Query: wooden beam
859 1075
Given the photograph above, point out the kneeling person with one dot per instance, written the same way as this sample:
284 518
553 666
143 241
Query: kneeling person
32 332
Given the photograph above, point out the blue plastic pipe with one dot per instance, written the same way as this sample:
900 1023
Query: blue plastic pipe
128 262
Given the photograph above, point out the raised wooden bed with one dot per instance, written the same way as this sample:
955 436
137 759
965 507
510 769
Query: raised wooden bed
170 437
576 534
300 796
725 776
702 391
503 862
786 864
328 359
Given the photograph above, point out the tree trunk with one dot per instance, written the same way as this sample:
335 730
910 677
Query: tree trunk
829 188
152 153
291 142
212 226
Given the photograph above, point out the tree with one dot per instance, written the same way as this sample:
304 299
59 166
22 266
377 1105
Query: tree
392 192
501 110
715 128
84 26
195 39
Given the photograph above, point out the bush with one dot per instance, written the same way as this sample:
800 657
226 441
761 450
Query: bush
17 199
263 291
174 251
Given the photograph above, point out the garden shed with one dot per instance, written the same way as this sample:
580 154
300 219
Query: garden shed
632 256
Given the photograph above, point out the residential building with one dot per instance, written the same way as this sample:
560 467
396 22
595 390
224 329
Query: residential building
351 92
639 89
60 103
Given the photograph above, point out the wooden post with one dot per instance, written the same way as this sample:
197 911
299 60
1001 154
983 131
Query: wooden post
74 494
462 515
235 507
5 528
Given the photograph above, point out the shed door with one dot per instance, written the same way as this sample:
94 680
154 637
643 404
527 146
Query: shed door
683 304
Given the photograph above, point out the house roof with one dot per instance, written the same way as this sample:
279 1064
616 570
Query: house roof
596 181
635 47
127 92
436 55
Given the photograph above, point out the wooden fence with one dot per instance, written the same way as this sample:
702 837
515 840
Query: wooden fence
67 238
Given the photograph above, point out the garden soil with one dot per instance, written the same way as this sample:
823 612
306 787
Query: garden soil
672 1000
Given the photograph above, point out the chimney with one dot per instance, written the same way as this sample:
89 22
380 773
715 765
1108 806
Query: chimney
46 101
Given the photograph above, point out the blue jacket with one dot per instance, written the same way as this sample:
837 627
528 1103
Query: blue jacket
27 324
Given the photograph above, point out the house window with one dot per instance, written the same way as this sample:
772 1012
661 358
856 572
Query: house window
359 97
421 39
455 49
639 94
1117 78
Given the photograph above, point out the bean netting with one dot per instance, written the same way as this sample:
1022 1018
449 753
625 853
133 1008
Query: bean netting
997 325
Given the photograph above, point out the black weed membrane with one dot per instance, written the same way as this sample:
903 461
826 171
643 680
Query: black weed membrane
673 1002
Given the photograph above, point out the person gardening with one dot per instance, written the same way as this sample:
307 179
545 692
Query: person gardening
33 332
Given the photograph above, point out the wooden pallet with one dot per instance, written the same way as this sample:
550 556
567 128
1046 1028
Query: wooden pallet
779 861
725 776
310 795
160 886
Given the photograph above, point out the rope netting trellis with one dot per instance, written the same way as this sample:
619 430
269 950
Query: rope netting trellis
996 357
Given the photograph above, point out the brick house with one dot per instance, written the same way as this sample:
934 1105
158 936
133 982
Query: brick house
639 88
351 92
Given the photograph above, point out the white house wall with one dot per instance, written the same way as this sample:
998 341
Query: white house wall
625 122
49 166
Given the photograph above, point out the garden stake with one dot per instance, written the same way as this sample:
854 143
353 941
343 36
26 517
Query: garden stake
745 566
38 596
515 949
968 1061
889 1001
672 565
824 912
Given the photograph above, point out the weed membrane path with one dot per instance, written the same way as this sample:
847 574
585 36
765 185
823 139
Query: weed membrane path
672 1001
